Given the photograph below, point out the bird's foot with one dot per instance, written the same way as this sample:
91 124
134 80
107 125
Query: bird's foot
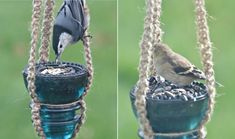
88 36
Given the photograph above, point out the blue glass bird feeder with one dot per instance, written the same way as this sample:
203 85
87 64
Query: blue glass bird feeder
56 91
173 116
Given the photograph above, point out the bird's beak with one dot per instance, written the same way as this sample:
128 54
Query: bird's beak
58 54
57 59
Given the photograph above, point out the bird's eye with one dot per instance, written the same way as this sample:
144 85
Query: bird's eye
61 46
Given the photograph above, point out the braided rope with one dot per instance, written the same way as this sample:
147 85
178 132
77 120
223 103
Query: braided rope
36 119
156 34
88 58
206 55
82 117
146 49
46 31
31 68
86 43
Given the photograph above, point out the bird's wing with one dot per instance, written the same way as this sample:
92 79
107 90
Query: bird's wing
61 8
70 18
77 10
182 66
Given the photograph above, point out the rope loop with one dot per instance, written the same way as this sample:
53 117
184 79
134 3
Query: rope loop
205 45
35 25
152 33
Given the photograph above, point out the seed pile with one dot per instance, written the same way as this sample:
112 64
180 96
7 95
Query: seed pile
162 89
58 70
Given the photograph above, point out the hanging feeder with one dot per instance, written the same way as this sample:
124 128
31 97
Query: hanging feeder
165 110
59 83
171 112
57 89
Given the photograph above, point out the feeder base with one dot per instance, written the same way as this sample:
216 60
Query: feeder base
193 135
59 122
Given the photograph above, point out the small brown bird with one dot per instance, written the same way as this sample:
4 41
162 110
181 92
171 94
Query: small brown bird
174 67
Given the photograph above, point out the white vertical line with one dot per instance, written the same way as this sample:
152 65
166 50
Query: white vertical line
117 69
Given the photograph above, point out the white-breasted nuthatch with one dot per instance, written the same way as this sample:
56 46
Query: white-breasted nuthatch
70 24
174 67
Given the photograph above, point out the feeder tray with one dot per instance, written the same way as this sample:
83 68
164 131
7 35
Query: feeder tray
59 88
59 83
173 109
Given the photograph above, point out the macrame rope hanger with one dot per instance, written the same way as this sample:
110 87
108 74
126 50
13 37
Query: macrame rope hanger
150 38
44 57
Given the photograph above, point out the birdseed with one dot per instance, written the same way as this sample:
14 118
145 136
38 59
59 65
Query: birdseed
58 70
162 89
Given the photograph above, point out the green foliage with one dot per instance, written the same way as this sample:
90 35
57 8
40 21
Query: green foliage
15 114
178 23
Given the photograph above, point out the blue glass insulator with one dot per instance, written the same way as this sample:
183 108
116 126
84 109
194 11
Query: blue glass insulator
59 122
174 116
53 114
192 135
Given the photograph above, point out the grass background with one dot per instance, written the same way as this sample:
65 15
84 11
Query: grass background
178 23
15 17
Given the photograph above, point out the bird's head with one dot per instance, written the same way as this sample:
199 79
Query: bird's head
60 41
64 40
161 49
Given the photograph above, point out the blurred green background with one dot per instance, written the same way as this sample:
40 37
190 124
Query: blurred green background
178 23
15 117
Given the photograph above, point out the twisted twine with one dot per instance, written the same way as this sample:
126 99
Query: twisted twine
88 58
206 55
36 119
86 43
82 117
46 31
156 33
31 68
89 65
152 32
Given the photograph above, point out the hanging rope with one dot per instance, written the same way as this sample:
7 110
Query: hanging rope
46 31
31 68
206 55
86 43
151 33
89 65
82 117
156 34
